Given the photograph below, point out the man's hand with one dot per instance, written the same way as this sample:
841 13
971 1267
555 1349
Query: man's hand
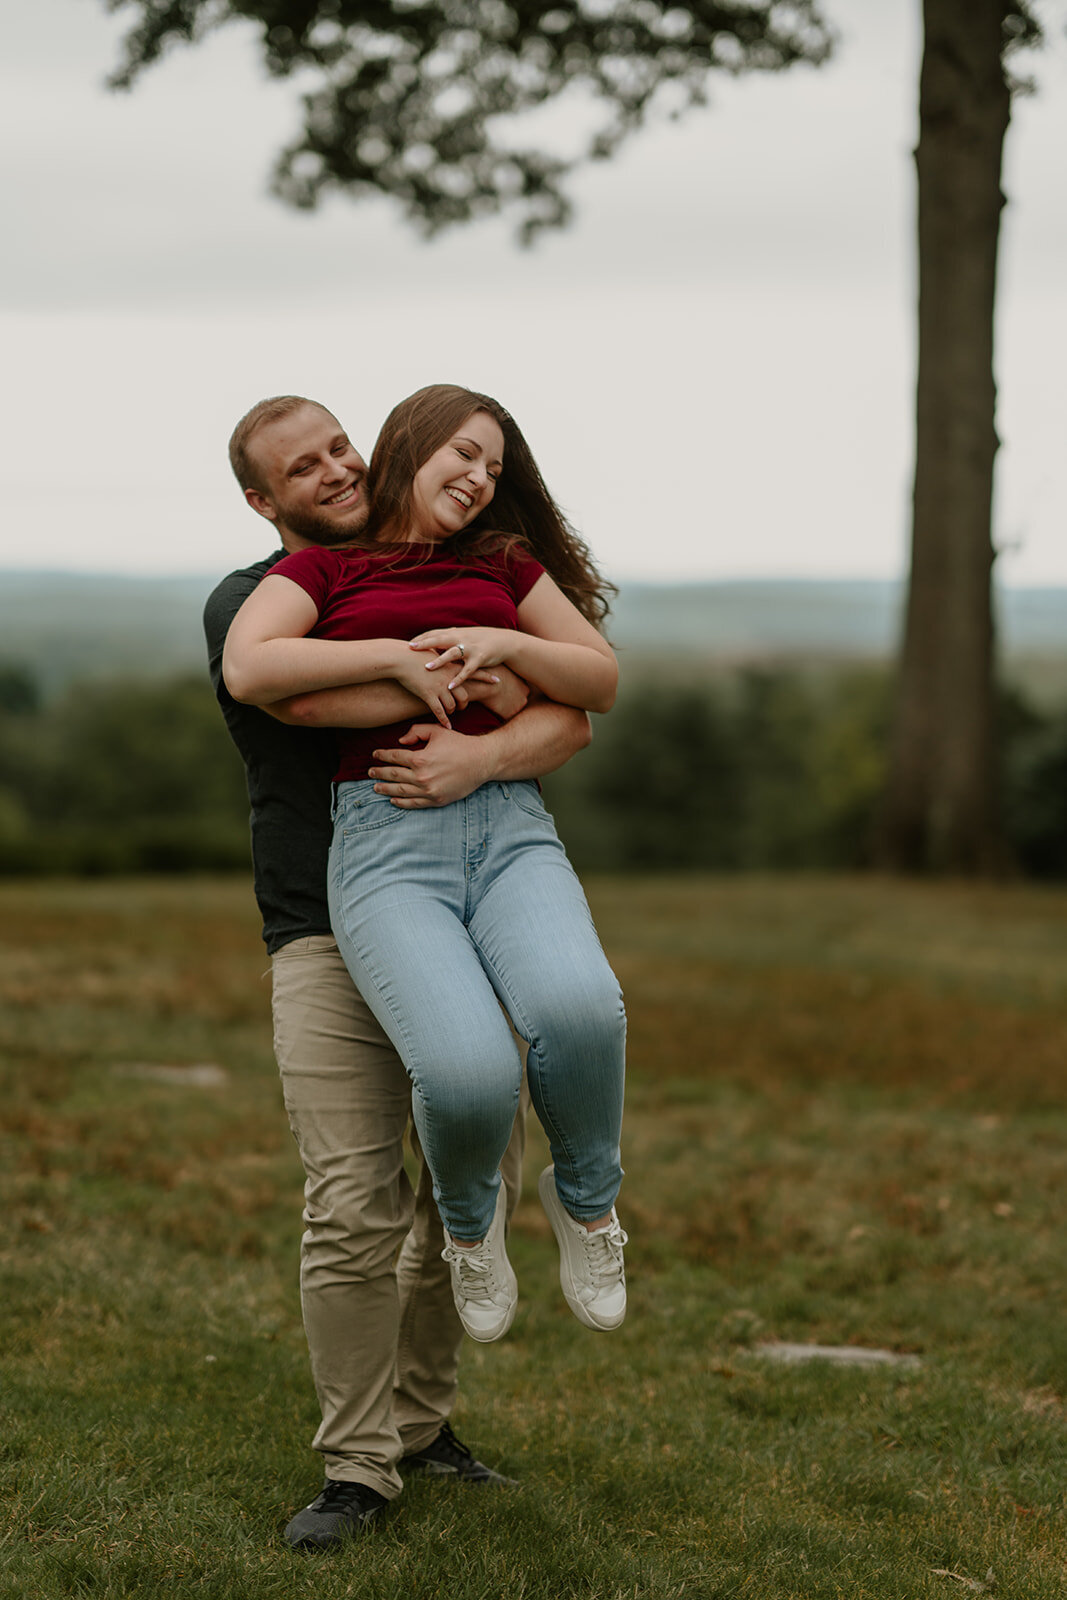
506 697
437 767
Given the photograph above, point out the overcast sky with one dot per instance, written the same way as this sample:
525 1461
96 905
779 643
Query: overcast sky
714 365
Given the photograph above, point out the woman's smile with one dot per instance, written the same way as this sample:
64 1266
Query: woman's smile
459 480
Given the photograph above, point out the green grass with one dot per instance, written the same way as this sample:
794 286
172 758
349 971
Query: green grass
845 1125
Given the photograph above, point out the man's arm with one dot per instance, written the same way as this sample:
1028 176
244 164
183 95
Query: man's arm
375 705
360 705
438 766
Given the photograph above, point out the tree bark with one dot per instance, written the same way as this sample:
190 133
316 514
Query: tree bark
941 809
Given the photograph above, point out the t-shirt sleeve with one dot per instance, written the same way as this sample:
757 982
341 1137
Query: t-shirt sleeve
222 606
314 569
523 571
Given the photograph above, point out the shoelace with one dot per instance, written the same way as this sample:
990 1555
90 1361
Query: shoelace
476 1275
448 1444
603 1252
339 1493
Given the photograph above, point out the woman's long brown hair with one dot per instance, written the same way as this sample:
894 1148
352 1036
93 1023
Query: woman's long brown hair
521 512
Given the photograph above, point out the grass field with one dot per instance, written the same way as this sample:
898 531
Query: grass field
846 1126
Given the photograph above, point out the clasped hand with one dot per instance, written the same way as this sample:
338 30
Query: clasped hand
471 650
482 648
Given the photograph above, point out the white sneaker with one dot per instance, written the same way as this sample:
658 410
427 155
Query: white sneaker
483 1284
591 1271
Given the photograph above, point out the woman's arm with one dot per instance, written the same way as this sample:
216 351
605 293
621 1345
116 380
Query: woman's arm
268 656
557 651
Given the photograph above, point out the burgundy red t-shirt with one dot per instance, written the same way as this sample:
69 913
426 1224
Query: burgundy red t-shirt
398 592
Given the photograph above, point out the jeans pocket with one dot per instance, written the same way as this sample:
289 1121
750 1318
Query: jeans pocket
527 796
361 811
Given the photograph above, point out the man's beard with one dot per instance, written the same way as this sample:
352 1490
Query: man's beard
322 530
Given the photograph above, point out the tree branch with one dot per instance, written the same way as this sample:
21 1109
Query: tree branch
418 102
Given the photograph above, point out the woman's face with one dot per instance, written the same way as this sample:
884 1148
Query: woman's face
458 480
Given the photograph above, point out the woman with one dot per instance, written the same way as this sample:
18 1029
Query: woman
444 916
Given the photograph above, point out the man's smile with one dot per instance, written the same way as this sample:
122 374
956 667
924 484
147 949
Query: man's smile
344 495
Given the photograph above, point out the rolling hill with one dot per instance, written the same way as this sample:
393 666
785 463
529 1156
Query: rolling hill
65 625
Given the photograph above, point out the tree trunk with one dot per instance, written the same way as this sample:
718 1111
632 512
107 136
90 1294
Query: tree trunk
942 811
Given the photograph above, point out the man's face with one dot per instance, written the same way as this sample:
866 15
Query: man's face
314 482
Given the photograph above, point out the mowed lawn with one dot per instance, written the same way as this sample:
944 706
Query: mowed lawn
846 1127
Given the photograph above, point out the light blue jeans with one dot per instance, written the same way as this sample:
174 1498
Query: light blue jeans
443 916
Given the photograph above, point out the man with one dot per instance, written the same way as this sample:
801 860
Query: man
382 1330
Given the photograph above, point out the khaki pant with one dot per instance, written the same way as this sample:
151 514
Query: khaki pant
382 1330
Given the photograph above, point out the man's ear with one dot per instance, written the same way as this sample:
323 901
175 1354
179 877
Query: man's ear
260 503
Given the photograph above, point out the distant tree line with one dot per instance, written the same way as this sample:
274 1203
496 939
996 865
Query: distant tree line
770 768
117 777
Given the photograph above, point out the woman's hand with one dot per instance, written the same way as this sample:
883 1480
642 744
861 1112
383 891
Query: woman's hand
442 701
468 649
411 674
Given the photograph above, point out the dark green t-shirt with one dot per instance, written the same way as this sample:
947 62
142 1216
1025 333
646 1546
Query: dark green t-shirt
289 772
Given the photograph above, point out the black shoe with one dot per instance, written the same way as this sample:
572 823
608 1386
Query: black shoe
341 1511
446 1457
